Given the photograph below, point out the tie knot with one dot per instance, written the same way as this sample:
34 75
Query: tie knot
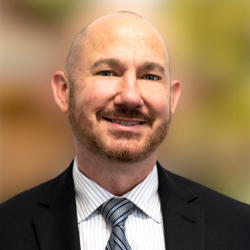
116 210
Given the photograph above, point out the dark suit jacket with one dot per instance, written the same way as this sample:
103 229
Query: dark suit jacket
195 217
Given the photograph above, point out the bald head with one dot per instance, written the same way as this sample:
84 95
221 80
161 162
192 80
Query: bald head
105 30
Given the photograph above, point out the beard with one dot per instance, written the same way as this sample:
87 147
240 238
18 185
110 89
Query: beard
124 151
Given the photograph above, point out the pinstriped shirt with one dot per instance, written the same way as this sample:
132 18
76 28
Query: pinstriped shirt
144 226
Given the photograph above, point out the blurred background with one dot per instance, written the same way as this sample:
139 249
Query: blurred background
209 47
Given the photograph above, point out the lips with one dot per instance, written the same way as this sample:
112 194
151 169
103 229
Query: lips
123 122
123 117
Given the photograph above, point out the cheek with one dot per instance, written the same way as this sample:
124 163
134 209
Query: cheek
95 94
157 97
162 109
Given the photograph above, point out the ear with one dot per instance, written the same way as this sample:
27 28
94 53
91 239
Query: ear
175 94
60 87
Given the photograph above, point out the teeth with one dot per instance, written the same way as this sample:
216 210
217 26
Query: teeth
125 123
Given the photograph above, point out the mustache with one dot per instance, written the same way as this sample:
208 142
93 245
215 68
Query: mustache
127 113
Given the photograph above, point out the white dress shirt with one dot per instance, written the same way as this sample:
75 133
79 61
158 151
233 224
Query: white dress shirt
144 226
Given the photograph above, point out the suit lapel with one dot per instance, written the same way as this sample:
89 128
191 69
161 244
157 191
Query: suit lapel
56 227
184 224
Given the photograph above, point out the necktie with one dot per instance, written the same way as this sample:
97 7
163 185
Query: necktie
115 211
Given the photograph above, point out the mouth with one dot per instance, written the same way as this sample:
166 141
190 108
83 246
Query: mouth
125 122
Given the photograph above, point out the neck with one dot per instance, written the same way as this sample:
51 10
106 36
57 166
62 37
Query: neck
115 177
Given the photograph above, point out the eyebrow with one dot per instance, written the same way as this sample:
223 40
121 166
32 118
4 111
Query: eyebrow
153 66
109 62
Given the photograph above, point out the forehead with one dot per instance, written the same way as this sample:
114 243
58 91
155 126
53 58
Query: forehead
124 38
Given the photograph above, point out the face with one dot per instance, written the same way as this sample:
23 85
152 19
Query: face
119 102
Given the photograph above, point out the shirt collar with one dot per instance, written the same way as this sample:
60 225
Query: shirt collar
145 196
90 196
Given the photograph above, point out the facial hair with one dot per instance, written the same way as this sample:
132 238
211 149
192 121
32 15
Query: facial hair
89 136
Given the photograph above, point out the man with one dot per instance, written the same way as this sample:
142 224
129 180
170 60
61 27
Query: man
117 93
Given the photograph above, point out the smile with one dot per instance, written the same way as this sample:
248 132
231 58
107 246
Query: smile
124 123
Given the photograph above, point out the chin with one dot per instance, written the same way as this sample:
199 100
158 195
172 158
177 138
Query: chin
124 155
123 151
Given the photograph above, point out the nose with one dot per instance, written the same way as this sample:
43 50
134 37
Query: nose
128 94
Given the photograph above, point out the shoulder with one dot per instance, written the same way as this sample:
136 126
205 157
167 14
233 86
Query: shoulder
24 205
25 200
223 221
207 195
18 214
210 201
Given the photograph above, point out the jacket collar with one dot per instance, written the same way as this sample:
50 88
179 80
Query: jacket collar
184 224
56 227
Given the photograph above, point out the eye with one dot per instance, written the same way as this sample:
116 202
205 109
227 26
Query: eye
151 77
105 73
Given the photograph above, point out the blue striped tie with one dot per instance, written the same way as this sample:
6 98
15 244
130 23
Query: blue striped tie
115 212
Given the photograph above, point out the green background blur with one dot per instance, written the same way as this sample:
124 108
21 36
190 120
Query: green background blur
209 47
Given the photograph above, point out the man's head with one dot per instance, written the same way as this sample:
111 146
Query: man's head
116 88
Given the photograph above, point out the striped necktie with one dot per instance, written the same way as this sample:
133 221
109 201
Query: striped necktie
115 211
